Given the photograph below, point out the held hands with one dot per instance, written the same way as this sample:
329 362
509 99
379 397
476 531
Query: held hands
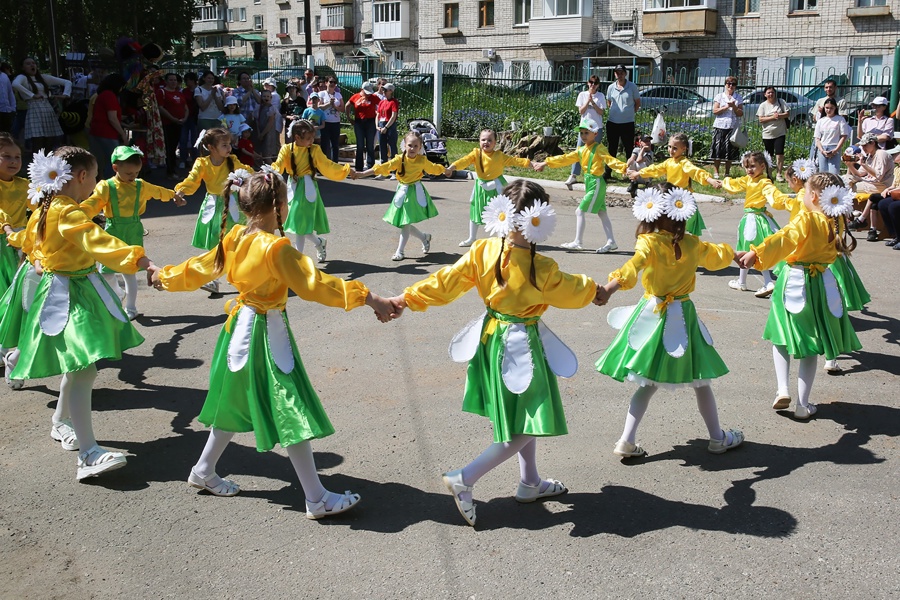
538 166
384 308
353 174
716 183
448 172
604 292
747 260
631 174
179 199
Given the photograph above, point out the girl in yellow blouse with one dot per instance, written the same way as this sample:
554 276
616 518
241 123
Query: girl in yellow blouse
489 180
123 199
796 174
594 158
13 204
757 223
76 319
14 305
301 159
680 172
257 381
212 170
661 341
808 316
513 357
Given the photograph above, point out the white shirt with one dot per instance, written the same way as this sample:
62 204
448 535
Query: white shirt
830 129
727 119
332 114
599 100
21 85
212 111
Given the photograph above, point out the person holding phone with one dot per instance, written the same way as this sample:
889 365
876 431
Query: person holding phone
728 108
876 120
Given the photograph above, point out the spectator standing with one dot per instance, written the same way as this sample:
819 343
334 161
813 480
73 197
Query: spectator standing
271 86
773 115
248 98
210 101
105 131
293 104
316 116
7 99
830 87
829 136
174 112
591 104
362 110
41 121
186 150
877 121
623 101
728 108
388 112
331 101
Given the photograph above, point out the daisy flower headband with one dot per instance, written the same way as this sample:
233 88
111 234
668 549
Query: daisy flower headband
680 204
536 222
804 168
48 173
649 204
766 156
238 177
836 201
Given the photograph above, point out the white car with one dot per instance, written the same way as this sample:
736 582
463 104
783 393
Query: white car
798 106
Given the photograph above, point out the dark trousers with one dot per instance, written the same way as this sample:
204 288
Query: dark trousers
890 214
365 142
619 133
6 121
331 141
387 142
171 137
189 132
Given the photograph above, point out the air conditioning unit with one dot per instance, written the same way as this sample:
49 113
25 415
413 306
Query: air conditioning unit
489 53
668 46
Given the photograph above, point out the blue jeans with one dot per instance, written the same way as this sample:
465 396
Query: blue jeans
331 141
365 142
102 149
186 147
386 140
829 165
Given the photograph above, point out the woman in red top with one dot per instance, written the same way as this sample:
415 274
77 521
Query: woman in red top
388 111
174 111
106 123
361 110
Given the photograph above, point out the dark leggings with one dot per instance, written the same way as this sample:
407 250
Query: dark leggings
890 213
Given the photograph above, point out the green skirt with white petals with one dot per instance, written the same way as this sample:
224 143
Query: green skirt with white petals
538 411
9 263
695 225
280 408
480 198
12 310
305 217
409 211
852 289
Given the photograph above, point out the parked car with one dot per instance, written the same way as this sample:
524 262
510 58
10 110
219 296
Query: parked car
857 99
261 76
568 92
538 87
671 99
798 106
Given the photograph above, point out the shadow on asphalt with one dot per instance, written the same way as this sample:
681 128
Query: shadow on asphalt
423 265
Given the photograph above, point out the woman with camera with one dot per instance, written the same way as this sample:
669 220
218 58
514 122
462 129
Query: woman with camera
877 121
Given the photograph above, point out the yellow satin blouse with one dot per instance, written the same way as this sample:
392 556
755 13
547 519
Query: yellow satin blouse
214 176
664 276
323 164
518 298
781 201
127 194
73 242
678 171
21 240
757 189
805 240
13 202
583 154
493 162
412 168
262 266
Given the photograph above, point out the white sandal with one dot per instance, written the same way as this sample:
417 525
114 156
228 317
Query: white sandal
96 460
454 482
225 488
529 493
317 510
63 433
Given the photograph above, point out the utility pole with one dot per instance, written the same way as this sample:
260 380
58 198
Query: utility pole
307 27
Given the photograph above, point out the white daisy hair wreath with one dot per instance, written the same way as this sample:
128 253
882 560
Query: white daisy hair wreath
498 216
836 201
536 222
649 204
238 177
804 168
768 158
680 204
48 173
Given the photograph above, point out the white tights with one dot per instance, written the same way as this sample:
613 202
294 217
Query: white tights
405 231
299 241
767 277
74 402
473 231
495 454
805 377
301 456
706 404
131 288
581 222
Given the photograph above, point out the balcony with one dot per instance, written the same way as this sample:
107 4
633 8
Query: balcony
561 30
679 18
390 20
211 26
337 36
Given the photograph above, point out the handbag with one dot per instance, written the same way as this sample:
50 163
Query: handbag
738 137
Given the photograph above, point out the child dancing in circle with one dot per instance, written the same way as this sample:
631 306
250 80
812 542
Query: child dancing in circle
808 316
124 199
257 381
594 158
301 159
412 203
489 180
661 341
212 170
513 357
75 319
796 174
13 205
680 172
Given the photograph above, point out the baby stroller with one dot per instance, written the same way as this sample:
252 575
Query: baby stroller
434 146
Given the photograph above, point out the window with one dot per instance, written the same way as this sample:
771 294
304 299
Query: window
623 27
486 13
566 8
451 16
521 70
202 40
867 3
243 15
301 25
398 55
522 11
745 71
451 68
867 70
746 7
232 41
678 4
804 5
243 43
230 14
483 70
801 71
208 13
387 12
257 22
283 26
257 1
217 41
681 71
334 16
318 24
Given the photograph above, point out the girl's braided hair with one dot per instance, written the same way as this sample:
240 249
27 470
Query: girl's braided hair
523 194
257 195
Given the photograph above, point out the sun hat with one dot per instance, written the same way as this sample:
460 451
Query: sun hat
270 81
368 88
124 153
868 138
880 100
388 86
231 100
589 124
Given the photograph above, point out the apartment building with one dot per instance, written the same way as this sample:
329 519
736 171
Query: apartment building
792 41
